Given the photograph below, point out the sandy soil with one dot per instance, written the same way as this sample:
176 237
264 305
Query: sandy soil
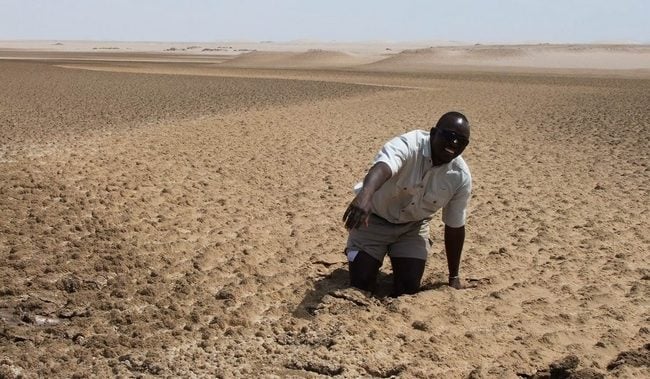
183 219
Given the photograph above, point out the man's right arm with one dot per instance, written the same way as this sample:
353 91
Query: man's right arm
358 211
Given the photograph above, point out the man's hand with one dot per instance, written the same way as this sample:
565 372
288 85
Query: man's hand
358 211
454 282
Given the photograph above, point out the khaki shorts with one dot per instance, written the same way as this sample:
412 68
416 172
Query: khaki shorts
380 237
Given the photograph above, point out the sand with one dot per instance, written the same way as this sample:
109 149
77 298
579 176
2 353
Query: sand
180 217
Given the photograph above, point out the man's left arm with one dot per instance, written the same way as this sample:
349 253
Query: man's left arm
454 239
454 215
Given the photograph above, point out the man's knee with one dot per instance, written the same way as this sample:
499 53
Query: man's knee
363 271
407 275
366 283
410 285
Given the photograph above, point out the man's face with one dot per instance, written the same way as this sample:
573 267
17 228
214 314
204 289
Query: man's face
448 142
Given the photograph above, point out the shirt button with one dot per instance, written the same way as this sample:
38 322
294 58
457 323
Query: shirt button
412 203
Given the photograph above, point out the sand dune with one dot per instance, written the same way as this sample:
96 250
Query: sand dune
525 56
259 59
330 58
494 52
622 60
313 59
409 60
157 224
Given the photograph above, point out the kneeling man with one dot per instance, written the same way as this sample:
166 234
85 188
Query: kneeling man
413 176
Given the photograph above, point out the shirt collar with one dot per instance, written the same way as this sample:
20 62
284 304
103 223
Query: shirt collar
426 149
426 152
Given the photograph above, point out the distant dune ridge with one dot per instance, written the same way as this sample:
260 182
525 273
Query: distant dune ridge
375 56
524 56
430 58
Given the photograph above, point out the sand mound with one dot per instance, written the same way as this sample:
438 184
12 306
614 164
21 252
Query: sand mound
408 60
431 58
556 57
258 59
493 52
308 59
324 56
415 54
589 57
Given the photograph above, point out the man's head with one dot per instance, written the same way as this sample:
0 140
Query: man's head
449 137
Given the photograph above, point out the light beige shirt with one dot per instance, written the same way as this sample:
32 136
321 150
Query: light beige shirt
416 189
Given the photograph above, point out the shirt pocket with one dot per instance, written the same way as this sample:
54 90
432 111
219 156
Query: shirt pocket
404 192
434 200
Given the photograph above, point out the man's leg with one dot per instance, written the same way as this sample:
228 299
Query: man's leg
408 255
363 270
407 275
366 248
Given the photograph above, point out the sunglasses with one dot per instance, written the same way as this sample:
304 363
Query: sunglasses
454 138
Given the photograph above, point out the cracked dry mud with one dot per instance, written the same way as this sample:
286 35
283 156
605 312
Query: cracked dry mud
189 225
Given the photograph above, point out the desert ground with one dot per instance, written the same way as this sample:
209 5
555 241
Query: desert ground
178 214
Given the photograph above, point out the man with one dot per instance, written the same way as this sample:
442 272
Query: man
413 176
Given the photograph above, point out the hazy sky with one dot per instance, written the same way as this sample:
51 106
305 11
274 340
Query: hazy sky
328 20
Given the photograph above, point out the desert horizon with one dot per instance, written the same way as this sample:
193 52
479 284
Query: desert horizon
177 213
623 60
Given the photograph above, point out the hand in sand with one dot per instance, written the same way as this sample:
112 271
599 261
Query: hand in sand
454 282
358 211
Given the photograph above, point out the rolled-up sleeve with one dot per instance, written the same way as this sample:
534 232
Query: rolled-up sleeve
454 214
395 152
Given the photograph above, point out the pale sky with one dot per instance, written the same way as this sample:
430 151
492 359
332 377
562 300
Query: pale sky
508 21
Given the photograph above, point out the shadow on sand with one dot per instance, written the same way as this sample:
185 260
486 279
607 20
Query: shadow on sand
337 280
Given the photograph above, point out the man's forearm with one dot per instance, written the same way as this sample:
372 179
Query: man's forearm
454 239
358 212
375 178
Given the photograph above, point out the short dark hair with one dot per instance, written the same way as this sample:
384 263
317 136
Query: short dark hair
452 118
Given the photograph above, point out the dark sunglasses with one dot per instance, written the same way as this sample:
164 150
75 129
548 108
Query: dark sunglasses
453 137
